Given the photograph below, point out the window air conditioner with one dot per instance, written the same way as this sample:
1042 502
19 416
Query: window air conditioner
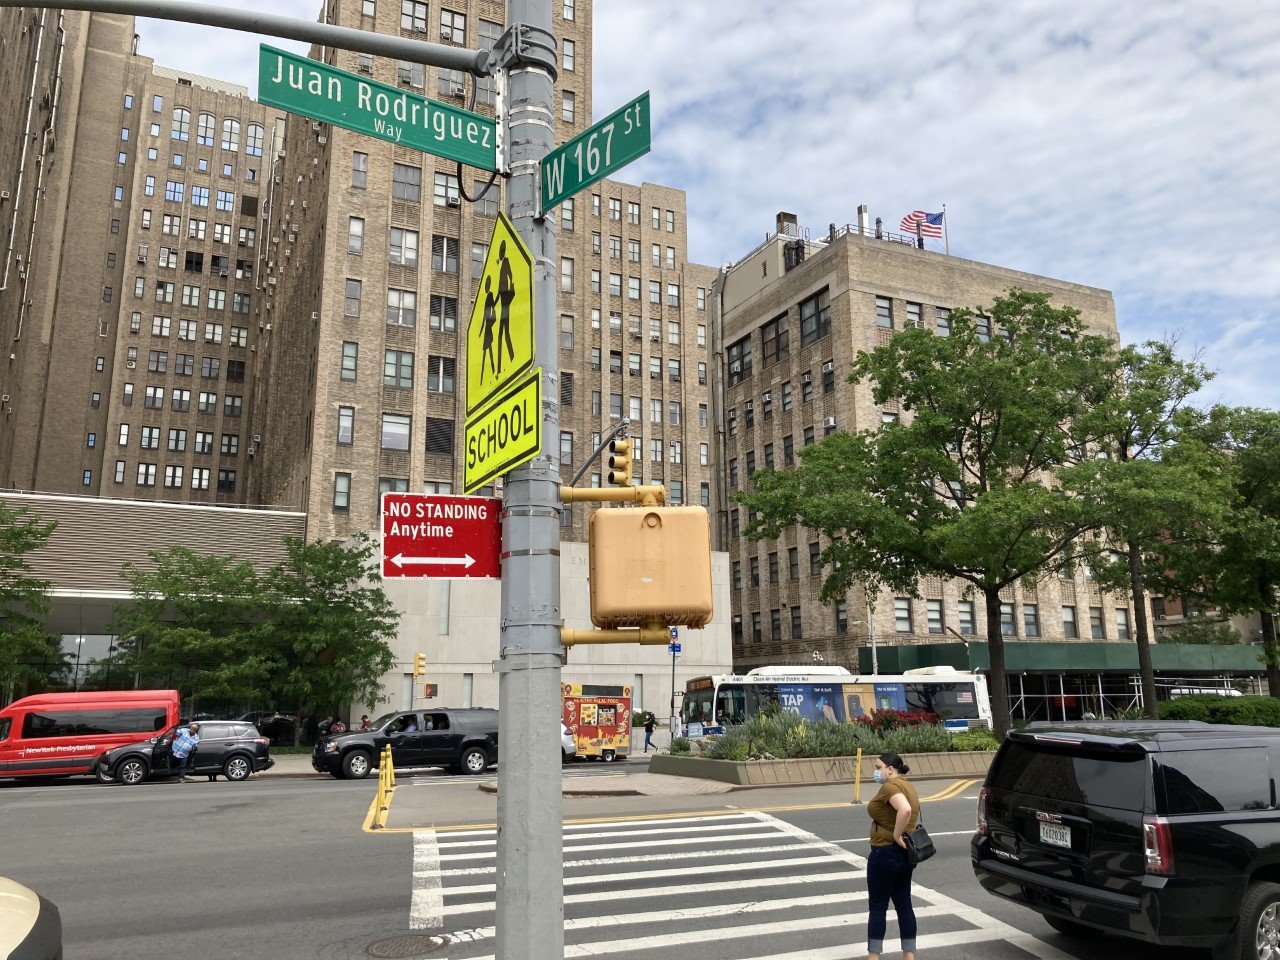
142 258
455 89
768 397
675 378
251 451
315 315
322 140
4 398
750 406
268 328
806 377
829 422
222 272
365 68
130 364
315 128
453 202
735 368
257 438
655 337
828 367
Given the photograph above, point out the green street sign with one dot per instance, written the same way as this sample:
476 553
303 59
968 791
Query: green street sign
595 153
319 91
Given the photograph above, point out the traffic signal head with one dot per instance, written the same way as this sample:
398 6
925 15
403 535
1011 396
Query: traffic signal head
620 462
419 665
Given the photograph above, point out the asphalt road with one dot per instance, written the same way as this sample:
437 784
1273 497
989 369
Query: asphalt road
282 869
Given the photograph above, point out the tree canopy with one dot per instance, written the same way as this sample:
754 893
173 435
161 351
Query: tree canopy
29 653
980 483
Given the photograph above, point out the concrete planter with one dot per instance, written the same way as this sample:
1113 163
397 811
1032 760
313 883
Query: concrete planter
759 773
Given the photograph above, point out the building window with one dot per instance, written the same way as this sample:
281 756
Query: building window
774 338
1031 619
566 10
566 332
444 253
404 248
902 614
942 320
397 371
815 318
441 374
446 191
1097 628
775 625
914 318
199 478
350 358
346 426
567 55
360 170
739 361
884 313
1122 623
964 617
402 307
355 236
351 299
230 444
566 275
406 182
181 129
395 431
1008 626
146 474
568 104
444 313
1069 630
232 405
440 436
342 490
933 610
486 198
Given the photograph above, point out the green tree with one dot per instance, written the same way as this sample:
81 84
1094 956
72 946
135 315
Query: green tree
196 623
330 624
978 484
1232 561
1147 476
1204 631
29 653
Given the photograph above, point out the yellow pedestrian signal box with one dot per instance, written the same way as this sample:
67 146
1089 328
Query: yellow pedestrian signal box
650 564
419 665
620 462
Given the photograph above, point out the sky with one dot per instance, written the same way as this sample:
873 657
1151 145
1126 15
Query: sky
1129 146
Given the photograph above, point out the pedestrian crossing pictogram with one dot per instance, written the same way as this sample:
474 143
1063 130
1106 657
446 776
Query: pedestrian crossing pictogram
500 337
742 885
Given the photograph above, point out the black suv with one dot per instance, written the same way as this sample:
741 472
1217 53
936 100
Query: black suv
228 748
462 740
1167 832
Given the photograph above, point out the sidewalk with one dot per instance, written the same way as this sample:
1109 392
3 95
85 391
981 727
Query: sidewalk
291 765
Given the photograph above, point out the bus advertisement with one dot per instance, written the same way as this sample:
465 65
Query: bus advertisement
833 693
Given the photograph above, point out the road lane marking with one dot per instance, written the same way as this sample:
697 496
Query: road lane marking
426 911
602 861
702 828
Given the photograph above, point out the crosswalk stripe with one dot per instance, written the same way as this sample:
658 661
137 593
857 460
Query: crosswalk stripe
594 823
627 845
673 855
426 910
678 889
624 833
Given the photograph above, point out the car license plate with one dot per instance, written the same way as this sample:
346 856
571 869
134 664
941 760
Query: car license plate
1055 834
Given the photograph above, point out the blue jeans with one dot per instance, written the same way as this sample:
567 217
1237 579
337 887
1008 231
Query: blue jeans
648 740
180 764
889 878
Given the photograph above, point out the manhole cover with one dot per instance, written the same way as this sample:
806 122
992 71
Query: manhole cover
401 948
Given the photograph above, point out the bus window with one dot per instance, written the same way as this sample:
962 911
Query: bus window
731 703
955 701
697 706
766 697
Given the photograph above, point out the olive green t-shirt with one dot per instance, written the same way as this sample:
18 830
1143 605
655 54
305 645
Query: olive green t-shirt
883 816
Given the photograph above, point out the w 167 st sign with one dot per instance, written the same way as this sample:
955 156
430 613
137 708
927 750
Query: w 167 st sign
439 537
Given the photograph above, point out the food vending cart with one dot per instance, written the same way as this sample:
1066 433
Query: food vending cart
599 717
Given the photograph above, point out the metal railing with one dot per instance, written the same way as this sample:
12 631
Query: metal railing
386 787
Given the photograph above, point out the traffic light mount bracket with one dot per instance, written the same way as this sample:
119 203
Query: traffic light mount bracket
650 634
651 495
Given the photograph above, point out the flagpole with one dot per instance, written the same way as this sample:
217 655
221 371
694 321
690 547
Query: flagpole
946 238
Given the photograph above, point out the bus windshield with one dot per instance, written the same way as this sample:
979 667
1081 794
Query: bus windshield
697 706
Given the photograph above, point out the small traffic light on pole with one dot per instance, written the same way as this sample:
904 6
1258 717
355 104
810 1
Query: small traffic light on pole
419 665
620 462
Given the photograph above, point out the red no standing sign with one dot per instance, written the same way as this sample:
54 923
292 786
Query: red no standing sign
441 537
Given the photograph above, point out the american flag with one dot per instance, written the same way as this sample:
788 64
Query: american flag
930 223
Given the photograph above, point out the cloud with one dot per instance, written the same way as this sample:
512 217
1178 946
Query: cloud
1127 146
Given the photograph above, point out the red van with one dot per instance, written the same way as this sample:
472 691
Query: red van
61 734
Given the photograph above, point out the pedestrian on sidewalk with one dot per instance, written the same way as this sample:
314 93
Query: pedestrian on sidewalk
365 722
337 725
183 748
894 812
649 724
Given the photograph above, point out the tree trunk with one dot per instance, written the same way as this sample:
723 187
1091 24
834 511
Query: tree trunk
998 686
1146 672
1269 652
297 729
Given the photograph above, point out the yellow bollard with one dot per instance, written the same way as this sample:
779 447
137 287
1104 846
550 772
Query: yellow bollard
857 778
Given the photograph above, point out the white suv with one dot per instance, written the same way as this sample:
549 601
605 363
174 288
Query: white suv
568 745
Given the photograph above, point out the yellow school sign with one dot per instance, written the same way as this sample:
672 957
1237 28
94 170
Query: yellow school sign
504 390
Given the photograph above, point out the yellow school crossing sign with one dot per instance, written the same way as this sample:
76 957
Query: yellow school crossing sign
504 392
500 332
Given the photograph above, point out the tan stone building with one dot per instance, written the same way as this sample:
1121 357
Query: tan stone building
373 252
791 317
137 325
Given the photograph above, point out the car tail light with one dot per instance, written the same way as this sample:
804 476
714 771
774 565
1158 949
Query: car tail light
983 794
1157 845
262 740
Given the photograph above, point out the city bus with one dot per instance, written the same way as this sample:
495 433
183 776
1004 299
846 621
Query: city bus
833 693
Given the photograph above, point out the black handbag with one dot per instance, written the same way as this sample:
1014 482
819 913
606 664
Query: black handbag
919 844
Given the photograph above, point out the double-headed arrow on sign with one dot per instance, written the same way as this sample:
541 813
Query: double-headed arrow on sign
400 560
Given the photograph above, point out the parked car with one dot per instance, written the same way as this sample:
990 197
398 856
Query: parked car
30 926
464 740
568 743
228 748
58 734
1167 832
275 726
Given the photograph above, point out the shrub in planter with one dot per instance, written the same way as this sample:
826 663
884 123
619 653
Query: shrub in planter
680 745
1245 711
974 740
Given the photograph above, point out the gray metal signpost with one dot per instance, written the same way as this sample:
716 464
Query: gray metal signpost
530 873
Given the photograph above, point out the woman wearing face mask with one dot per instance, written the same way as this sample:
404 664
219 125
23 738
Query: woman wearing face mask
894 812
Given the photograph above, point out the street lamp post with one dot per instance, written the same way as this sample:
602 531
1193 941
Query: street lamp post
75 680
